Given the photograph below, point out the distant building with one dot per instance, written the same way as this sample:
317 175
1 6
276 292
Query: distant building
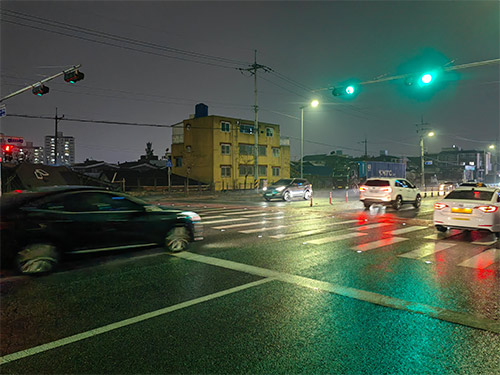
219 151
31 154
65 149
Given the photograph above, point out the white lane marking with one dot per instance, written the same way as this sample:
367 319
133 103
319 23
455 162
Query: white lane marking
123 323
482 260
426 250
338 237
224 220
264 214
248 231
405 230
380 243
357 294
230 226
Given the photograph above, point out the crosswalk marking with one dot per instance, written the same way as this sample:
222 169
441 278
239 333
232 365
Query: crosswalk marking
248 231
243 212
482 260
405 230
371 226
303 233
224 220
212 217
339 237
230 226
221 210
426 250
264 214
380 243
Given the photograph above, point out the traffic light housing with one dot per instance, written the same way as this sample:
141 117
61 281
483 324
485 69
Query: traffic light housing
40 90
73 76
348 90
7 152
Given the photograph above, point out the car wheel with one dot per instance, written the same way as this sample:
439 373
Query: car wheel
398 203
418 201
440 228
367 205
177 239
267 199
37 258
287 196
497 234
307 195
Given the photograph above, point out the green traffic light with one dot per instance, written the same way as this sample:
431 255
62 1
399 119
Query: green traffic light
350 90
426 78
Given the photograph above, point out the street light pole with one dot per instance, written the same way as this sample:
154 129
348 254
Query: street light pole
313 104
422 177
301 139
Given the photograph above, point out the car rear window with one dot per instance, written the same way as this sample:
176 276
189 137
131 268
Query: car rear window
478 195
377 183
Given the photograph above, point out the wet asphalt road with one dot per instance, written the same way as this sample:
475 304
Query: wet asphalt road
273 288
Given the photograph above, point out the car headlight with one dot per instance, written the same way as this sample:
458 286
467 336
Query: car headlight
281 188
264 188
192 215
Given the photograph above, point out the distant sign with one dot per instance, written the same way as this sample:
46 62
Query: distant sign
428 162
3 110
169 164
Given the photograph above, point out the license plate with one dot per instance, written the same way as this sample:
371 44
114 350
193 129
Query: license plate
461 218
462 210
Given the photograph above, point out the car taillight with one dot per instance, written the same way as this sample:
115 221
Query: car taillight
439 206
487 209
362 188
387 189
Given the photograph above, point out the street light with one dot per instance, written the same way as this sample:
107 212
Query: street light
422 178
313 104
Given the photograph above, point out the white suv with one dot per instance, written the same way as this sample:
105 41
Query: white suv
389 191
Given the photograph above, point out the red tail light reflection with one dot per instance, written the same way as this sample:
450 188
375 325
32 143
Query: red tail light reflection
487 209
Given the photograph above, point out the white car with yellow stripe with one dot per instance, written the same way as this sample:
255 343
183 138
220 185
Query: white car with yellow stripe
469 208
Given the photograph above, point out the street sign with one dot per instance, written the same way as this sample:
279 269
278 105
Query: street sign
169 164
3 110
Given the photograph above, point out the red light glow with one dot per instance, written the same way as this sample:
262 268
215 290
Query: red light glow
487 209
440 206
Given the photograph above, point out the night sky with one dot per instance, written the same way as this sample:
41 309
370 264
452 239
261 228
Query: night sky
152 62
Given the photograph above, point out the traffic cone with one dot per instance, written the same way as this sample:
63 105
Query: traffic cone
330 197
311 201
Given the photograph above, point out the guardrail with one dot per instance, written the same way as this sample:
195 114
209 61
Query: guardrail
435 191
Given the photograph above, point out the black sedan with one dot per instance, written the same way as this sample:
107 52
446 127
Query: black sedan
38 229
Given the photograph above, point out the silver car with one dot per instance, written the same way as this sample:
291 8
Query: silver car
288 188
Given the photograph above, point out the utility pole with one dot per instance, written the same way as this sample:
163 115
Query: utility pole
55 138
253 69
366 145
421 128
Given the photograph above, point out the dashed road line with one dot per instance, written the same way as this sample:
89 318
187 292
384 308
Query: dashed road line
427 249
380 243
405 230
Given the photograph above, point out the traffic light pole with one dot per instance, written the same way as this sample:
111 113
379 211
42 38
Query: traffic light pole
30 87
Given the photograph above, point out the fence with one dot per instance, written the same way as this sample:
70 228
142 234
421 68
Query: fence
436 191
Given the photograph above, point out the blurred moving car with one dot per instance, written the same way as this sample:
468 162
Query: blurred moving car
39 228
289 188
469 208
389 191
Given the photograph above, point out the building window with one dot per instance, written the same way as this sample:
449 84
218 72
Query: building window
225 126
246 149
276 152
262 170
246 170
269 132
225 149
178 161
225 171
262 150
276 171
246 129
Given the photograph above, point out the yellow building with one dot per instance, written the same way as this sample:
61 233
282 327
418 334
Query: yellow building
219 151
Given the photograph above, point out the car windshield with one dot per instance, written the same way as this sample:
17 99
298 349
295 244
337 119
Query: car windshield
377 183
284 181
479 195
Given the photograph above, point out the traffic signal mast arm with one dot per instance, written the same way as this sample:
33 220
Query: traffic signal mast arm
30 87
408 75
